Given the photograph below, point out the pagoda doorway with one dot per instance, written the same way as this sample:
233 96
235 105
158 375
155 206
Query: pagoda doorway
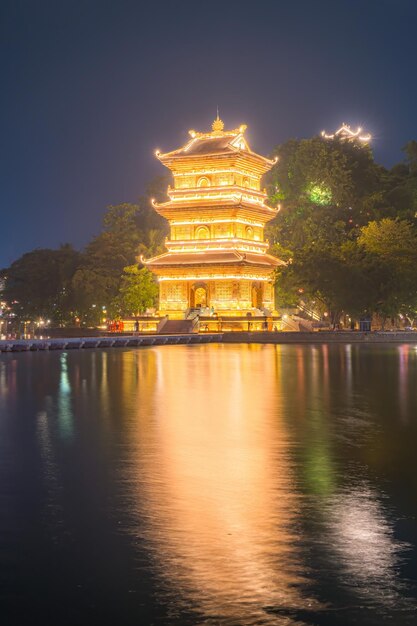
257 299
198 296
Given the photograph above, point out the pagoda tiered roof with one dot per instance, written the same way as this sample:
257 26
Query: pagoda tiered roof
219 208
213 257
205 145
215 144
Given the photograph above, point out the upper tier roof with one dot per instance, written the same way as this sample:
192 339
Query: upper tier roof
207 145
216 142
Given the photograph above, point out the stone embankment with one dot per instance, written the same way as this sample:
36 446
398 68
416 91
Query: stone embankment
336 336
34 345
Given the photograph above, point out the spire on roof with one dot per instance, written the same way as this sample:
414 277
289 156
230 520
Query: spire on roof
218 124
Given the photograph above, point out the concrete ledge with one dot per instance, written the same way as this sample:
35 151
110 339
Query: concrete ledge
35 345
337 336
127 341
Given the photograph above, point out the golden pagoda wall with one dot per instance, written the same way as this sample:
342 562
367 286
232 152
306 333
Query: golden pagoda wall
173 298
223 230
218 179
233 297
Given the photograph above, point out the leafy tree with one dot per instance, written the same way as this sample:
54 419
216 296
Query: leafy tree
97 279
138 291
374 273
410 150
129 231
392 244
336 275
38 284
329 191
322 182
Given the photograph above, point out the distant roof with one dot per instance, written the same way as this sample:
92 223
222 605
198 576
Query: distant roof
347 134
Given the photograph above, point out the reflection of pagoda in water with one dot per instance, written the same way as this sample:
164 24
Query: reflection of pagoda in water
217 257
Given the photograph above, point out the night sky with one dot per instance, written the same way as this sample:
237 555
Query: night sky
91 88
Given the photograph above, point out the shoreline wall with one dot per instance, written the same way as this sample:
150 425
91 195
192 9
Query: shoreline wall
335 336
136 341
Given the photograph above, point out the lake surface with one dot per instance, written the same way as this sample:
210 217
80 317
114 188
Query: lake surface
210 484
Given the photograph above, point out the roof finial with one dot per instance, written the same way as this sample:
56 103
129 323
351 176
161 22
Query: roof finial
217 125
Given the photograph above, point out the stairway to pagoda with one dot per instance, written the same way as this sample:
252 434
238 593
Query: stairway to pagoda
177 327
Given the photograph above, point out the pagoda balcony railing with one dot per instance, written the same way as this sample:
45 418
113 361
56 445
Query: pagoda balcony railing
229 242
231 188
216 244
221 193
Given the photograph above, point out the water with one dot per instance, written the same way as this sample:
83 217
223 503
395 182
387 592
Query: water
212 484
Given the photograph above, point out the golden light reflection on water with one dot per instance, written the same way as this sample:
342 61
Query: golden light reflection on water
214 464
251 477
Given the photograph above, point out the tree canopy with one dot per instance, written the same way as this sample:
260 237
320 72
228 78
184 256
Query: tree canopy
38 284
347 228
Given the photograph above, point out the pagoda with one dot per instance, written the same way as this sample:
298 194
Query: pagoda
217 259
345 133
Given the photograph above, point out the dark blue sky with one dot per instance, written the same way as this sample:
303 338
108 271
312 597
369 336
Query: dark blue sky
91 88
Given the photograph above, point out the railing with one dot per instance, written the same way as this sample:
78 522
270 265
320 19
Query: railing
310 312
210 324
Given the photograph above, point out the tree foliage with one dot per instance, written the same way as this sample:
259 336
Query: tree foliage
38 284
347 227
138 291
130 231
392 245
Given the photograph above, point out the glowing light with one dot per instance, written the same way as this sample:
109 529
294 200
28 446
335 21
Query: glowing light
218 124
199 172
216 221
200 277
319 194
218 242
185 193
346 133
240 248
176 197
188 146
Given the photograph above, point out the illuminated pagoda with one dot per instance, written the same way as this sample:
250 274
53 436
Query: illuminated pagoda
216 259
345 133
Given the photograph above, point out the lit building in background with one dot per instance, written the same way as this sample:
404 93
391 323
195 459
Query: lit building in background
345 133
217 258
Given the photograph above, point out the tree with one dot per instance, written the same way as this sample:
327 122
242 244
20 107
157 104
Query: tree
138 291
322 184
329 192
338 276
38 284
410 150
392 245
129 231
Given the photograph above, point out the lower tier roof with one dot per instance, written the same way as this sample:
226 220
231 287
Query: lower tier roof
213 257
